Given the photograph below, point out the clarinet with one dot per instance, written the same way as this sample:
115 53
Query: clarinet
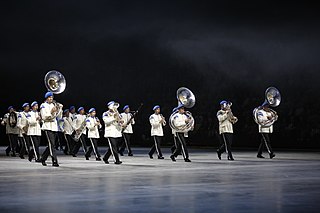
129 121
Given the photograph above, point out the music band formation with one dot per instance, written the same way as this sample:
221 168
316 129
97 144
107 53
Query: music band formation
24 129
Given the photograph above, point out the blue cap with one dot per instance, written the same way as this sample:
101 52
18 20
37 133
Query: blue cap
111 102
80 108
156 107
66 110
91 110
48 94
10 107
25 104
125 107
34 103
223 102
265 104
72 107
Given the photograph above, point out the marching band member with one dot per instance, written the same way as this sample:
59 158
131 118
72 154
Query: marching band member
23 128
68 130
128 131
112 131
226 121
156 121
78 123
49 111
93 125
34 132
264 115
60 139
72 112
181 120
11 130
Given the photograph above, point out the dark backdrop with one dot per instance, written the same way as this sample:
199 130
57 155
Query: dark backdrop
143 51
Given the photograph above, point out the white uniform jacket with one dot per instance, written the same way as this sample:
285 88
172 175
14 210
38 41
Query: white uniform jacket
126 117
262 117
34 124
67 126
49 122
23 122
156 126
93 127
112 127
9 129
225 126
78 121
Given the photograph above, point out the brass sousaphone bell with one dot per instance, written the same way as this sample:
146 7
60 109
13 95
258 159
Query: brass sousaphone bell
188 100
273 99
56 83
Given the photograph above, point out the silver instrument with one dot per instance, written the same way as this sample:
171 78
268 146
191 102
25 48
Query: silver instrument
231 117
114 107
78 132
56 83
188 100
273 99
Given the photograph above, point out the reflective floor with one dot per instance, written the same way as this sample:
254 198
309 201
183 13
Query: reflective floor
288 183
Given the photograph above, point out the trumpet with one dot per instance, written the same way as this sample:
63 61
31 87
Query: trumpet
233 119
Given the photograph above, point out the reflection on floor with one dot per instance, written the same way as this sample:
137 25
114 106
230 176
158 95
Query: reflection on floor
288 183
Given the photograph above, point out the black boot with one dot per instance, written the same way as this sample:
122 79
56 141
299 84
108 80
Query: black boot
172 158
219 154
272 155
259 156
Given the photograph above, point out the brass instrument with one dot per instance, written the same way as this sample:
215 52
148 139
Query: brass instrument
273 99
233 119
114 107
188 100
78 132
55 82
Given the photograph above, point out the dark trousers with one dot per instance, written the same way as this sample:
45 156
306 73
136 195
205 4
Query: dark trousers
225 144
50 150
25 145
13 143
265 142
35 144
113 149
70 143
78 144
126 143
60 141
181 146
93 147
156 146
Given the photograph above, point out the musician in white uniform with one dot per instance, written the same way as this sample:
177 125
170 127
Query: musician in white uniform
264 115
68 130
72 112
113 126
11 130
79 123
93 125
181 119
34 132
127 118
157 121
49 112
226 121
23 128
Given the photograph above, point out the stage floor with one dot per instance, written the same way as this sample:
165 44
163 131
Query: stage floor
288 183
